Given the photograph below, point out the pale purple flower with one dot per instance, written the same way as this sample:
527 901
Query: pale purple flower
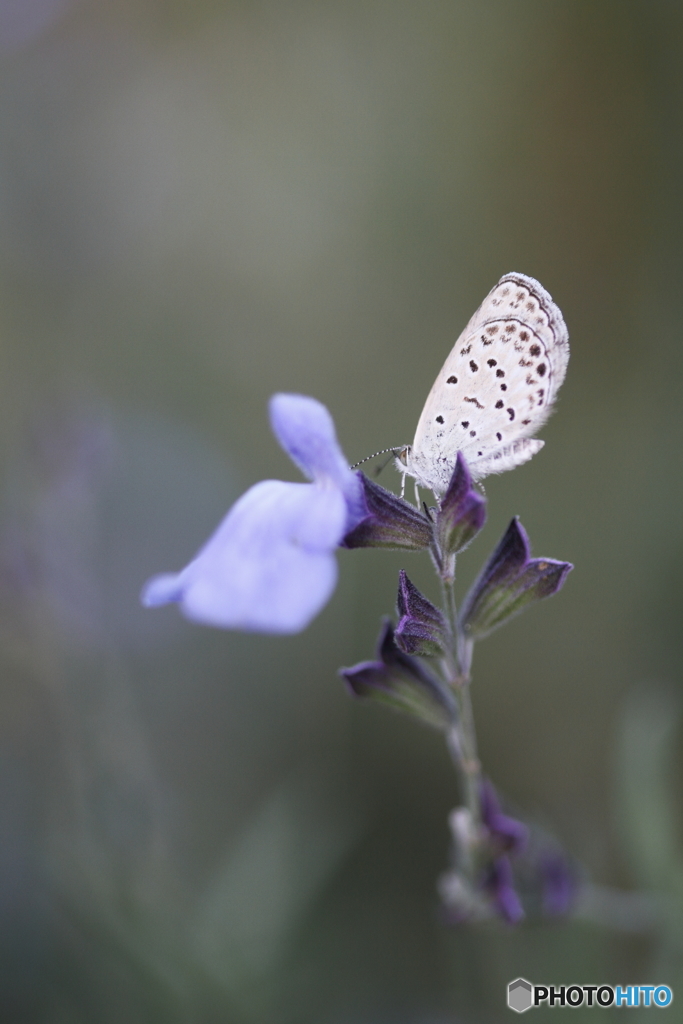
270 565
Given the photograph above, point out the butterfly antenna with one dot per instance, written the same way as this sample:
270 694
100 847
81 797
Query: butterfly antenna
394 452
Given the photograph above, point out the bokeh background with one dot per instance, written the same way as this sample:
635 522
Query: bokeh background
202 203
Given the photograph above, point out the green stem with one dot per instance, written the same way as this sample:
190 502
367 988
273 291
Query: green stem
462 739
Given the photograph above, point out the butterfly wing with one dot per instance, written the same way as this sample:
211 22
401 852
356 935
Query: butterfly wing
496 388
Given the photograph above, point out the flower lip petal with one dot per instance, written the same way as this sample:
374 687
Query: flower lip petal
269 566
282 598
275 509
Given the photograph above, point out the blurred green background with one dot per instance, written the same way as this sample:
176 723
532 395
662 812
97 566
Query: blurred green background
202 203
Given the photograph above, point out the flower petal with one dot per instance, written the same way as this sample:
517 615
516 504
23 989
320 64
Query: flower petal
269 567
161 590
305 429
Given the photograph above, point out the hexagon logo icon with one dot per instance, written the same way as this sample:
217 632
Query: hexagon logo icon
520 996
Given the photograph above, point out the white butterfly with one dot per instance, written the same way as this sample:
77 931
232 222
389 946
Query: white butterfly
496 388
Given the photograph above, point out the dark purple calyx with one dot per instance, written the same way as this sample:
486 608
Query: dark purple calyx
391 522
509 581
402 682
462 512
421 629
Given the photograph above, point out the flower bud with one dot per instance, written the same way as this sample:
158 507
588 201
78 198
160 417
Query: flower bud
506 834
402 682
509 581
421 628
559 882
500 884
462 512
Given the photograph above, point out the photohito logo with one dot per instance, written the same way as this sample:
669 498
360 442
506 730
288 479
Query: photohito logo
522 995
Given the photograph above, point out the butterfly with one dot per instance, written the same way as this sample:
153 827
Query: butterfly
495 390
